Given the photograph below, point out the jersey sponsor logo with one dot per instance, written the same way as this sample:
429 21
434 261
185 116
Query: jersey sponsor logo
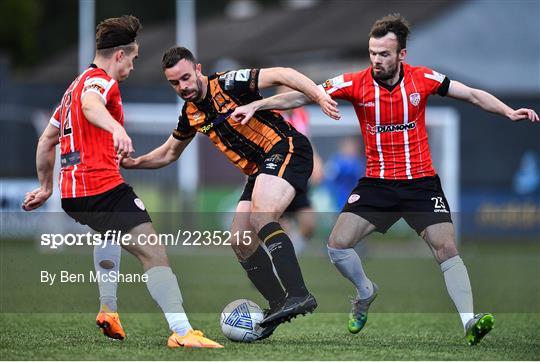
139 203
415 99
390 128
70 159
221 118
206 127
353 198
367 104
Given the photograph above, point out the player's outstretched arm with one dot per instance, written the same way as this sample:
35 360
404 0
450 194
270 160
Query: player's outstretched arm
489 103
165 154
45 156
281 101
96 113
293 79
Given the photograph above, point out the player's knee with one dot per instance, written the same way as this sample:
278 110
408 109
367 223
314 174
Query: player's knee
107 264
446 251
340 241
153 256
244 250
259 218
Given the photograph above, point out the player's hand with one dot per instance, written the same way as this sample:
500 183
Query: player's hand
329 106
122 142
34 199
523 114
243 113
128 162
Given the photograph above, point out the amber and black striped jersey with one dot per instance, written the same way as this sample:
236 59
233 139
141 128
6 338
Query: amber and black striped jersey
244 145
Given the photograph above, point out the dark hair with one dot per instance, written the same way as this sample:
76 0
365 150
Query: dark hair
116 32
392 23
174 55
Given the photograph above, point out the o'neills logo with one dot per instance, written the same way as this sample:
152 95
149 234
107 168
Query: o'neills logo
391 128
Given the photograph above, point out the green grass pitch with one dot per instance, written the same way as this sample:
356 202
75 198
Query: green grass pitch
412 319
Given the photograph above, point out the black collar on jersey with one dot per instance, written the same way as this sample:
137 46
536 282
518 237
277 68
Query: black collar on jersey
391 87
93 66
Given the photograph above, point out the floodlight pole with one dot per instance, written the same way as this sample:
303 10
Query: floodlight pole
87 21
188 168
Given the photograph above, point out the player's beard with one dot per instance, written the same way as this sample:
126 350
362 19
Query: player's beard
196 93
386 74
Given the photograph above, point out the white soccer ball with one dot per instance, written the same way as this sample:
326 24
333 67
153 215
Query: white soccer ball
240 319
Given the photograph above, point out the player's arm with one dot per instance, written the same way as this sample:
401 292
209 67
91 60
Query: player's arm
45 156
93 107
281 101
308 92
165 154
488 102
291 78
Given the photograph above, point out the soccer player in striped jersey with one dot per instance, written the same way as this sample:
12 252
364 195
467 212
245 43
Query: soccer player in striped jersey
89 125
276 157
389 98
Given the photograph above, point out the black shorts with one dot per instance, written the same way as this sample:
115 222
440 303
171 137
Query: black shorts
300 201
292 160
116 209
421 202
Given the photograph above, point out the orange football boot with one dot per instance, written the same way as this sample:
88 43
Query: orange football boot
109 324
193 339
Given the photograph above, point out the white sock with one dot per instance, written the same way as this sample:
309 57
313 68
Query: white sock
107 253
349 265
163 287
459 287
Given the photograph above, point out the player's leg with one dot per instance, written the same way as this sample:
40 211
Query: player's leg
164 289
254 258
162 283
369 208
107 263
271 196
441 240
428 213
347 232
106 256
299 220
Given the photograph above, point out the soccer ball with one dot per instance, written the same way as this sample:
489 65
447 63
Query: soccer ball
240 321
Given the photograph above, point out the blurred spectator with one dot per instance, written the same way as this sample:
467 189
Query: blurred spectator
527 177
344 169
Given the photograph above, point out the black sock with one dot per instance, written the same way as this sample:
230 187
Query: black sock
259 270
284 258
